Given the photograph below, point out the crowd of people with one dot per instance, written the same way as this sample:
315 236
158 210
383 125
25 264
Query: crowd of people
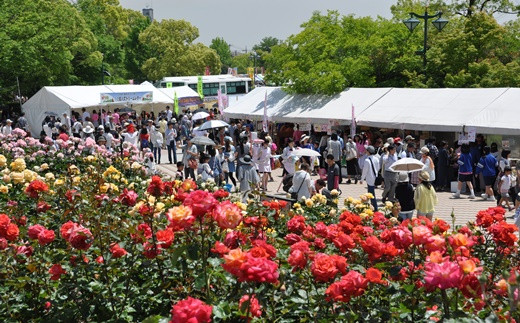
241 159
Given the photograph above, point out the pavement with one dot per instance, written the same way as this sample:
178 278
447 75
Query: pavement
465 209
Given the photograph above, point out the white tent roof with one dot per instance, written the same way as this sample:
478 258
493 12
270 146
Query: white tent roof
63 99
182 92
284 107
427 109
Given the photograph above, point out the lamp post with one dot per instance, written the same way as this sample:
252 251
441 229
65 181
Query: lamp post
412 22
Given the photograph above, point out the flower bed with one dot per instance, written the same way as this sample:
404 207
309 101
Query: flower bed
85 236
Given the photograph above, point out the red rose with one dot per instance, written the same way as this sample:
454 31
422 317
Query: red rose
373 247
156 186
302 246
117 251
165 237
3 243
341 263
12 232
143 232
191 310
374 275
34 231
56 271
220 194
42 206
4 223
234 238
220 248
35 187
48 305
259 270
81 238
344 242
151 251
297 259
319 243
255 310
270 250
321 229
168 188
201 202
323 268
350 285
128 198
296 224
66 229
71 195
24 250
292 238
46 237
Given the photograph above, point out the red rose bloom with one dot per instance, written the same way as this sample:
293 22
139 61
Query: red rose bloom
323 267
270 250
35 187
12 232
143 232
297 259
46 237
191 310
503 233
350 285
66 229
156 186
151 251
292 238
220 248
128 198
373 247
220 194
117 251
374 275
56 271
165 237
201 202
255 310
81 238
344 242
296 224
34 231
42 206
70 195
259 270
4 223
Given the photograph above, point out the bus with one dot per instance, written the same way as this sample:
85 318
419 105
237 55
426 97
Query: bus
232 86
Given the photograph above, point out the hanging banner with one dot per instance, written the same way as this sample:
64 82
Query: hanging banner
169 85
176 103
200 90
265 124
220 102
353 123
207 71
134 97
469 135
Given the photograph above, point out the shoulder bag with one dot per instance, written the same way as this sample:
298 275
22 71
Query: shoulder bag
379 179
294 195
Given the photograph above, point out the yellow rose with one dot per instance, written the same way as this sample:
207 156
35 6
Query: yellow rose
151 199
44 167
29 175
297 206
309 203
394 220
17 177
159 207
136 165
363 215
241 205
3 161
4 189
59 182
6 178
73 169
131 186
76 180
6 171
18 164
332 212
369 212
36 168
335 201
389 205
49 177
334 192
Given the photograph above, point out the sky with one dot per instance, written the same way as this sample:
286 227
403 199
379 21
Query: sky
243 23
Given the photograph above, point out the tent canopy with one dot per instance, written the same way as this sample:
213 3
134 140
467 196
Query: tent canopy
490 110
62 99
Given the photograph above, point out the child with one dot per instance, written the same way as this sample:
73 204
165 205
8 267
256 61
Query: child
179 173
504 186
204 169
404 194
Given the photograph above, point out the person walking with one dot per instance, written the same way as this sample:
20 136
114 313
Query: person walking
351 155
443 166
428 162
487 166
247 174
302 183
171 135
334 149
465 162
404 194
156 138
370 167
332 173
264 163
504 186
228 167
425 197
190 154
390 177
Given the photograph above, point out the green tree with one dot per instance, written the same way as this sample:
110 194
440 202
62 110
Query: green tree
172 52
264 47
44 42
222 48
136 53
242 62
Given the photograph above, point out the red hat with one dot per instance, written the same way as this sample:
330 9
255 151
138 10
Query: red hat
397 139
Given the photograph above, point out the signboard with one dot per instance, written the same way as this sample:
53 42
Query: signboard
322 128
468 135
306 127
133 97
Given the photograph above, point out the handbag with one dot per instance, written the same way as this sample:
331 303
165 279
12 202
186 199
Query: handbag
294 195
225 167
379 179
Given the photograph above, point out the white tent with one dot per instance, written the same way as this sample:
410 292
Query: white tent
428 109
304 108
56 100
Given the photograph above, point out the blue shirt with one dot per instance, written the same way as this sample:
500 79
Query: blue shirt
465 164
486 165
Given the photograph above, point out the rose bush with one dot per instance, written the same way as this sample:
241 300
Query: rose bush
86 236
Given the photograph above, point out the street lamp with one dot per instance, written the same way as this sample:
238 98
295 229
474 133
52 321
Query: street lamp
413 22
254 56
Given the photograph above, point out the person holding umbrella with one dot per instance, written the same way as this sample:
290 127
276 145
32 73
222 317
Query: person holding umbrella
247 174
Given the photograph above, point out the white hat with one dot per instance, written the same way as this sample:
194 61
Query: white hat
424 150
88 129
8 121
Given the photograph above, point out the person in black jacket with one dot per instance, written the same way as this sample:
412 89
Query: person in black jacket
443 165
404 194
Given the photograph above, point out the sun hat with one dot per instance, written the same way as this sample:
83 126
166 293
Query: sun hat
101 138
424 176
371 150
403 177
386 145
409 137
246 160
304 137
88 129
8 121
101 128
390 140
424 150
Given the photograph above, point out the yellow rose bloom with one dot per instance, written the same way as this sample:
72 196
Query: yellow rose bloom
296 206
4 189
363 215
76 180
29 175
334 192
136 165
18 165
90 159
73 169
309 203
389 205
241 205
17 177
3 161
44 167
6 178
332 212
59 182
104 187
159 207
49 177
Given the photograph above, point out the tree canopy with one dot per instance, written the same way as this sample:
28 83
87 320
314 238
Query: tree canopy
224 53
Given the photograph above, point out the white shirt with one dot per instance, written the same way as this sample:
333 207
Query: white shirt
77 127
157 139
86 115
109 138
6 130
131 137
370 173
302 184
170 135
506 183
389 160
169 115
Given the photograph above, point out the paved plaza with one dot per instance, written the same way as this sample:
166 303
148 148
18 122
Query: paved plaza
464 209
